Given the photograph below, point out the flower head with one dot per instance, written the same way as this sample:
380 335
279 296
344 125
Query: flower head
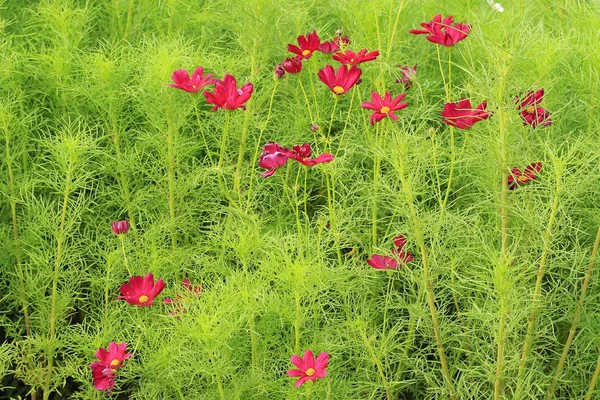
292 65
341 81
530 112
272 158
384 107
351 58
120 227
141 291
303 153
114 355
307 45
314 127
103 377
408 75
382 262
197 82
329 47
308 368
517 178
227 96
443 32
462 115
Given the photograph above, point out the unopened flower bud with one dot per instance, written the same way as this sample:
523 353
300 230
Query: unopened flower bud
279 71
120 227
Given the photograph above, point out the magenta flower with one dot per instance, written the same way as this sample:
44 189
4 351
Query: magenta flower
408 75
272 158
517 178
307 45
404 256
462 115
329 47
279 72
103 377
141 291
197 82
341 81
227 96
103 371
384 107
308 368
382 262
443 32
120 227
303 153
351 58
292 65
531 113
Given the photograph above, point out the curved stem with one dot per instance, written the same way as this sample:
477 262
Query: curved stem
592 386
346 123
377 361
297 322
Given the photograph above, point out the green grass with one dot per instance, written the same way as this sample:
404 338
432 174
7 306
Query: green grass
91 133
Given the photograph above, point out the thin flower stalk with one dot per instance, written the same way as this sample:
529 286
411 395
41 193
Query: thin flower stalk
576 318
376 176
593 381
208 151
377 362
171 140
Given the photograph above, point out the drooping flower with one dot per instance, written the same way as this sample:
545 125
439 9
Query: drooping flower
120 227
341 81
114 355
384 107
141 291
227 96
462 115
351 58
443 32
279 72
191 84
272 158
308 368
408 75
517 178
303 153
307 45
179 302
404 256
329 47
292 65
382 262
530 112
103 377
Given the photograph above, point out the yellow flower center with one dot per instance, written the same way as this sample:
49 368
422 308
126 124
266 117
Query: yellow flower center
306 53
310 372
338 90
522 178
384 110
530 110
143 299
114 363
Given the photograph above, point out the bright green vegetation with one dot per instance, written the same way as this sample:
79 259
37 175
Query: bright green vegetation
91 133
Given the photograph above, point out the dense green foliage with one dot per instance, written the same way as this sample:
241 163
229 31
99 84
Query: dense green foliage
91 133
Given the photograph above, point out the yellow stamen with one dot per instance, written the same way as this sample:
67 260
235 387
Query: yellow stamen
306 53
338 90
114 363
384 110
522 178
143 299
530 110
310 372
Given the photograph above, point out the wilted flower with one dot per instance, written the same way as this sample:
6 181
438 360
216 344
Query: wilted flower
197 82
292 65
351 58
307 45
384 262
272 158
443 32
404 256
227 96
462 115
314 127
341 81
141 291
408 75
384 107
279 71
309 368
517 178
531 114
120 227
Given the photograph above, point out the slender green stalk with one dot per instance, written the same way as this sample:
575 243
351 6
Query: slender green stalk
208 151
538 287
592 386
171 178
377 361
129 15
308 108
346 122
331 192
376 176
391 38
297 322
576 317
387 300
335 102
125 262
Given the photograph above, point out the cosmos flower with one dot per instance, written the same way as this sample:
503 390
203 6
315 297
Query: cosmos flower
443 32
462 115
292 65
191 84
227 96
308 368
408 75
303 153
120 227
404 256
307 45
329 47
351 58
341 81
382 262
517 178
384 107
141 291
279 72
530 112
114 355
103 377
272 158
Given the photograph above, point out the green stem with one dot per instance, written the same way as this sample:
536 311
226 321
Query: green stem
576 317
376 176
306 100
335 102
297 322
242 149
592 386
125 262
208 152
377 361
391 39
171 178
346 123
123 181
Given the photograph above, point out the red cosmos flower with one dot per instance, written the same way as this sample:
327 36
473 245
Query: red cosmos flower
517 177
462 115
303 153
179 302
307 45
384 107
408 75
382 262
141 291
404 256
114 356
341 81
443 32
308 368
272 158
292 65
329 47
227 96
195 83
103 377
531 114
352 58
120 227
